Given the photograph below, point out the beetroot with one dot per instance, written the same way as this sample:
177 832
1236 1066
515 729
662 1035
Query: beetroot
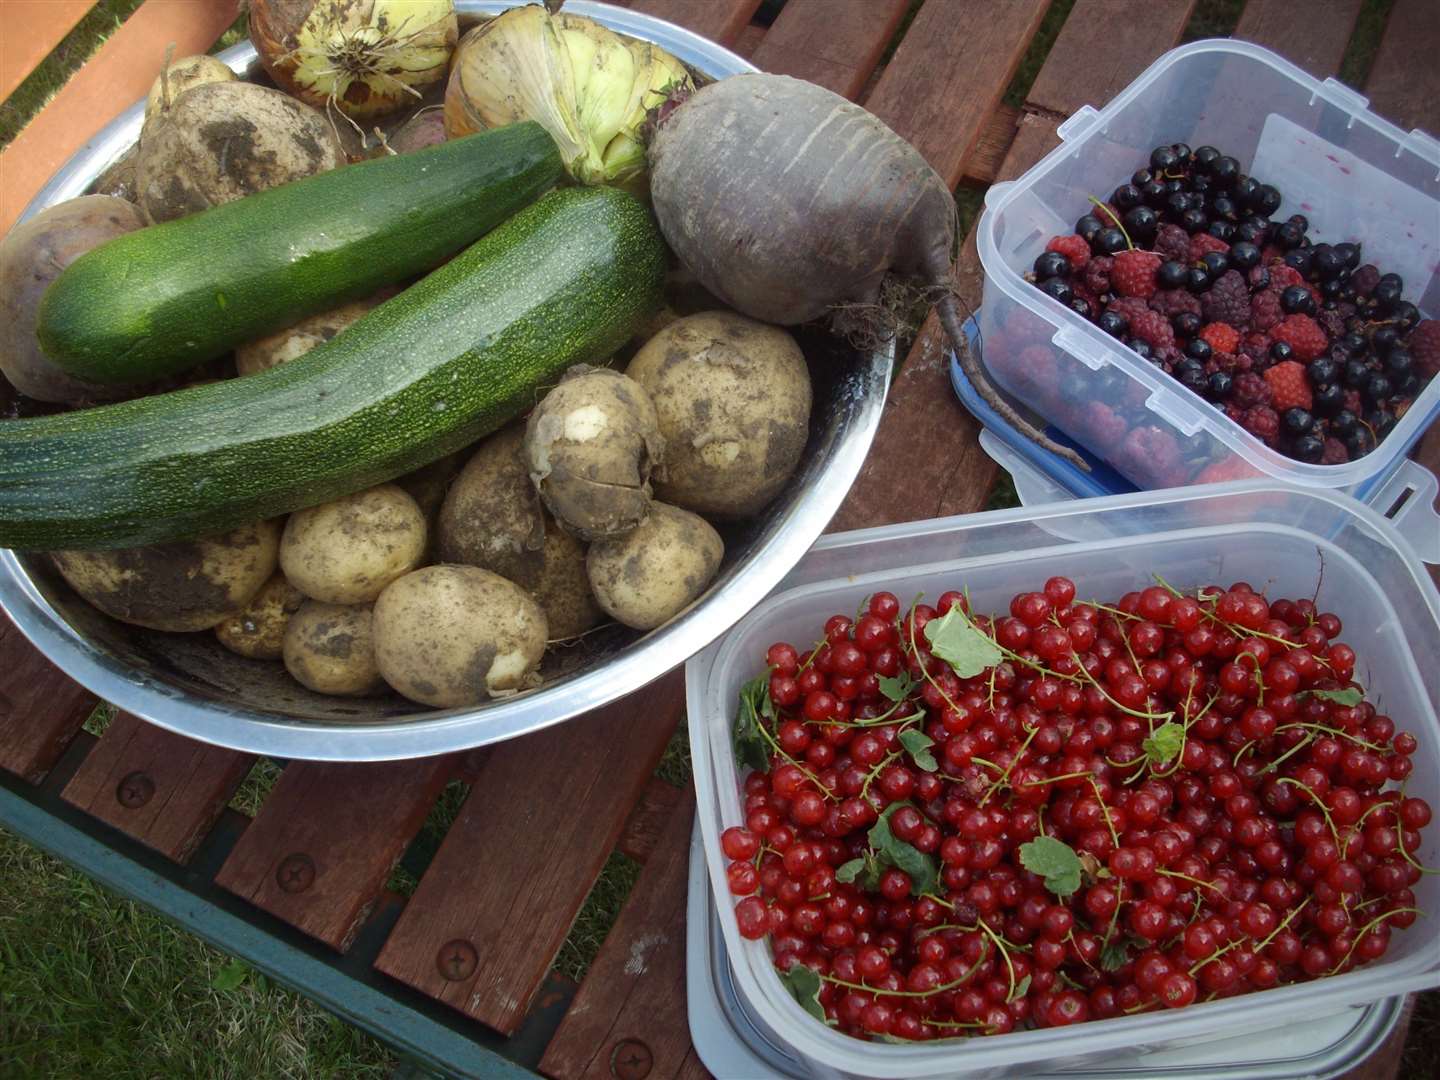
790 203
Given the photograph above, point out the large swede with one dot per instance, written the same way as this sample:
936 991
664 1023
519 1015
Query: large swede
789 202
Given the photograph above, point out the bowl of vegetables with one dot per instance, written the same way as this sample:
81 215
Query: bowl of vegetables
413 453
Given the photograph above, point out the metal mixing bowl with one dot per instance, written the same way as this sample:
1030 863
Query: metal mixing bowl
189 684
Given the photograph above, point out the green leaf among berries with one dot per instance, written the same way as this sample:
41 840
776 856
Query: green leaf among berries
864 872
804 986
1055 861
898 688
917 744
1118 952
961 644
1163 744
1021 989
1349 697
923 870
751 749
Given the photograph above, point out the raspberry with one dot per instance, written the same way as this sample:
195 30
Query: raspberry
1263 422
1303 334
1227 301
1222 337
1202 244
1129 306
1235 412
1172 302
1289 386
1104 429
1035 370
1233 468
1332 323
1097 274
1424 346
1226 362
1265 312
1250 389
1335 453
1074 248
1282 277
1153 327
1150 456
1134 273
1364 279
1173 242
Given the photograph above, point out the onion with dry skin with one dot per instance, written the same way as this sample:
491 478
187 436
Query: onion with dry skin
366 58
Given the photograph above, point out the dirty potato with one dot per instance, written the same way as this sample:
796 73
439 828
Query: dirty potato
186 585
181 75
222 141
456 635
330 648
348 550
590 446
258 632
295 341
732 400
646 577
492 518
32 255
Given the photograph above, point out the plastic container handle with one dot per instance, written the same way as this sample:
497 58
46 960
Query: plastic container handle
1407 501
1031 485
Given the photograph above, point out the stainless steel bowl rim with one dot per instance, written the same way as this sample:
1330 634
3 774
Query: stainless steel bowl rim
783 542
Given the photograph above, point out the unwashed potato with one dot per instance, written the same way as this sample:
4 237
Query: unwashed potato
425 128
646 577
492 518
181 75
222 141
732 399
119 178
330 648
259 631
590 446
32 255
187 585
348 550
295 341
428 484
457 635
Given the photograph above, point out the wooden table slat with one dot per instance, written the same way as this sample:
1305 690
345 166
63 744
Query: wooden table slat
632 1002
41 709
327 836
32 29
161 788
1404 82
648 819
835 43
1314 40
118 76
718 20
520 858
1101 48
949 73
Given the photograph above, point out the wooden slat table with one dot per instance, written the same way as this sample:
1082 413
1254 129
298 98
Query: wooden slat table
470 953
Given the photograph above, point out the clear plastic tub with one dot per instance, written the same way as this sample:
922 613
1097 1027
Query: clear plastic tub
1272 535
1357 178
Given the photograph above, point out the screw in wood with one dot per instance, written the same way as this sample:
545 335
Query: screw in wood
296 873
135 790
456 960
630 1059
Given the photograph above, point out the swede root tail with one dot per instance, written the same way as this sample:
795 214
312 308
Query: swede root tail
948 309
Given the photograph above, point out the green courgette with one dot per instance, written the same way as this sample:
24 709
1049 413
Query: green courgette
164 299
452 358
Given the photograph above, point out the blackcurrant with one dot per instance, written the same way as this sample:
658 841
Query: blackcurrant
1328 262
1296 299
1384 339
1197 279
1226 172
1398 362
1199 348
1407 314
1343 422
1113 323
1141 347
1268 200
1125 196
1377 387
1222 206
1356 373
1141 222
1387 291
1141 177
1088 227
1215 262
1080 306
1308 448
1323 370
1205 158
1281 350
1182 153
1221 230
1154 194
1297 421
1244 255
1163 158
1289 236
1382 422
1109 241
1349 254
1300 260
1355 344
1058 288
1219 385
1327 399
1172 274
1194 221
1051 264
1186 324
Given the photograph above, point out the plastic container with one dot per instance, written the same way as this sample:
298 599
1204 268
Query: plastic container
731 1045
1406 498
1357 178
1272 535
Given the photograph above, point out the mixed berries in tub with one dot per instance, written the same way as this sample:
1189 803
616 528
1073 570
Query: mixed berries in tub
1252 318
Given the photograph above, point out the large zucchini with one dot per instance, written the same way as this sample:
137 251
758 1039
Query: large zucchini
452 358
163 299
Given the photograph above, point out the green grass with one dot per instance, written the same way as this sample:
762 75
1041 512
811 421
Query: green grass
92 985
1035 55
1364 40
